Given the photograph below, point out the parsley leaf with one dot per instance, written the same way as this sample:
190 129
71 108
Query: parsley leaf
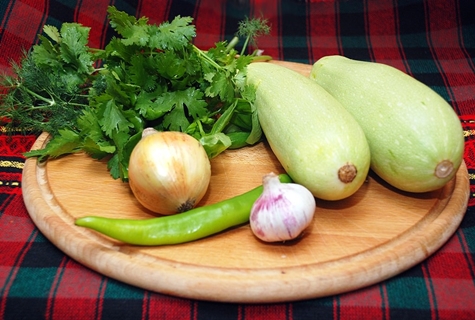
189 101
66 141
220 85
175 35
112 119
126 25
73 46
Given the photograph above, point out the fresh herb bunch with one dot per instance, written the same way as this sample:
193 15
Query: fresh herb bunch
48 90
100 100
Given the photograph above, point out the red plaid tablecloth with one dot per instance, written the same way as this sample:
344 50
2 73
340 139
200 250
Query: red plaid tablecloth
433 40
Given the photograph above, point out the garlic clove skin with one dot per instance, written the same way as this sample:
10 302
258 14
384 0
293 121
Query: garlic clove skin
282 211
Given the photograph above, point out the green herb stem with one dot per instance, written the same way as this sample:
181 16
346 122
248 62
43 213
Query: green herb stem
234 41
51 102
261 58
203 55
244 47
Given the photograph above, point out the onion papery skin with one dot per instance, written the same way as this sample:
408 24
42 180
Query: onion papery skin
169 172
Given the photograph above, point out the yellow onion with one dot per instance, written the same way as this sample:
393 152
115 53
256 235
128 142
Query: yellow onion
169 172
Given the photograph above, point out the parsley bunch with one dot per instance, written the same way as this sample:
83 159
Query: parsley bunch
99 101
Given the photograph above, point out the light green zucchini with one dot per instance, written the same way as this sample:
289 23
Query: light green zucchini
416 138
319 144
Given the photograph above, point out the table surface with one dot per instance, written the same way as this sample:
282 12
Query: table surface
433 40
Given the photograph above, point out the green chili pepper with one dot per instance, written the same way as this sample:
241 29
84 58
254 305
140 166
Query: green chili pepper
179 228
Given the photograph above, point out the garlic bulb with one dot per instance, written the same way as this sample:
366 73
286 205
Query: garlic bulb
169 172
282 211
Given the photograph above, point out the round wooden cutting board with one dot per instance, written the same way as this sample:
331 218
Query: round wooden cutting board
352 243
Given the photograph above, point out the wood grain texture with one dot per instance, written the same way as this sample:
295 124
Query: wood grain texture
371 236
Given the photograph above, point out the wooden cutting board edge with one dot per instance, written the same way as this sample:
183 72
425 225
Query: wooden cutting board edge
238 285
